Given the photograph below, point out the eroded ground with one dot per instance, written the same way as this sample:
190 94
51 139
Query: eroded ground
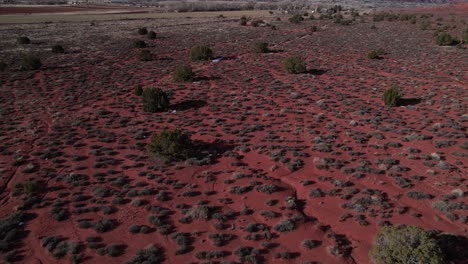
317 152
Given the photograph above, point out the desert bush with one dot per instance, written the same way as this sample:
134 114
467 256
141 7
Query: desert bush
243 21
256 22
134 229
152 35
23 40
171 145
375 54
465 35
104 225
198 53
30 62
391 96
145 55
3 66
58 49
260 47
10 231
139 44
405 244
142 31
138 91
294 65
445 39
285 226
150 254
183 73
155 100
425 24
310 244
115 250
296 19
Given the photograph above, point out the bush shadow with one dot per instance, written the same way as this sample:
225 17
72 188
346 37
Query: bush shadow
408 101
189 104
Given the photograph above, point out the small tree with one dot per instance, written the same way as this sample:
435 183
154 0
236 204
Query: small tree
183 73
30 62
200 53
58 49
139 44
392 96
260 47
23 40
296 19
143 31
145 55
171 145
294 65
405 244
155 100
151 35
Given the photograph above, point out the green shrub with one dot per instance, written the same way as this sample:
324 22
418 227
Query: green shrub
171 145
30 62
152 35
58 49
155 100
23 40
294 65
142 31
200 53
405 244
445 39
391 96
138 90
260 47
375 54
145 55
296 19
139 44
183 73
243 21
425 24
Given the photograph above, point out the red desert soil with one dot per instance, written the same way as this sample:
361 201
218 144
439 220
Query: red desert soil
316 151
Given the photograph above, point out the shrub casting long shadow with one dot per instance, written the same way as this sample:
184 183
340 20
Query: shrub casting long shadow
189 104
408 101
